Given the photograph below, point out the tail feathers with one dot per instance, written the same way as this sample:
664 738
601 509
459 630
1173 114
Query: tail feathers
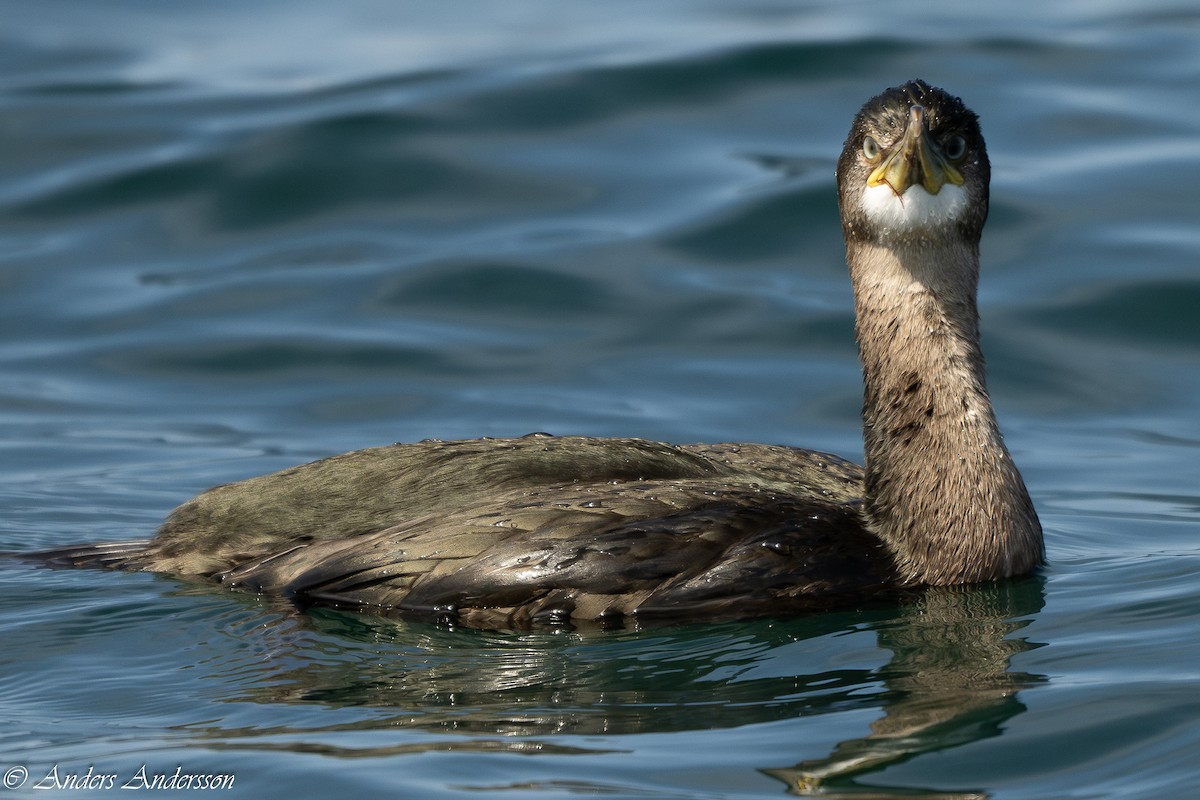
106 555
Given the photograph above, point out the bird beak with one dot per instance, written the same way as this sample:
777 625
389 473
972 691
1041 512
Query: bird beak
916 159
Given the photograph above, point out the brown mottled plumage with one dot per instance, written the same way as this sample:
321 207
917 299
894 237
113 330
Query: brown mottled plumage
512 532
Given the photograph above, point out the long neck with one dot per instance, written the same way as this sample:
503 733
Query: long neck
941 487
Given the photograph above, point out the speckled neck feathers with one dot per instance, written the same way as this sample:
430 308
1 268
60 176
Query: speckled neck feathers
941 488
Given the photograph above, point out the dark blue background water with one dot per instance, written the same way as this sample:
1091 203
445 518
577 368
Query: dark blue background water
235 237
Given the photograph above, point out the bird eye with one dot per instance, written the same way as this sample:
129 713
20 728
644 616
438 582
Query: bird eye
955 147
870 148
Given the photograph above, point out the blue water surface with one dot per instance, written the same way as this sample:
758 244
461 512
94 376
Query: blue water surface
236 237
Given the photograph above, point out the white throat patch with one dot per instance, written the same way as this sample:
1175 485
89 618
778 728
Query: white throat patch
914 211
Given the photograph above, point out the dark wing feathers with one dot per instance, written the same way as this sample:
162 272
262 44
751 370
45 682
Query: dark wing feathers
731 553
508 532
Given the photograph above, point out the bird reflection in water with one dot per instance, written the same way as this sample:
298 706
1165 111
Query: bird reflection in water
948 683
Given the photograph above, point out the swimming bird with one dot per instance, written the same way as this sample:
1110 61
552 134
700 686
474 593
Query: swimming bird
547 529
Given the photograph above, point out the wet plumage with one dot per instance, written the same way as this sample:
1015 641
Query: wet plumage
513 532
